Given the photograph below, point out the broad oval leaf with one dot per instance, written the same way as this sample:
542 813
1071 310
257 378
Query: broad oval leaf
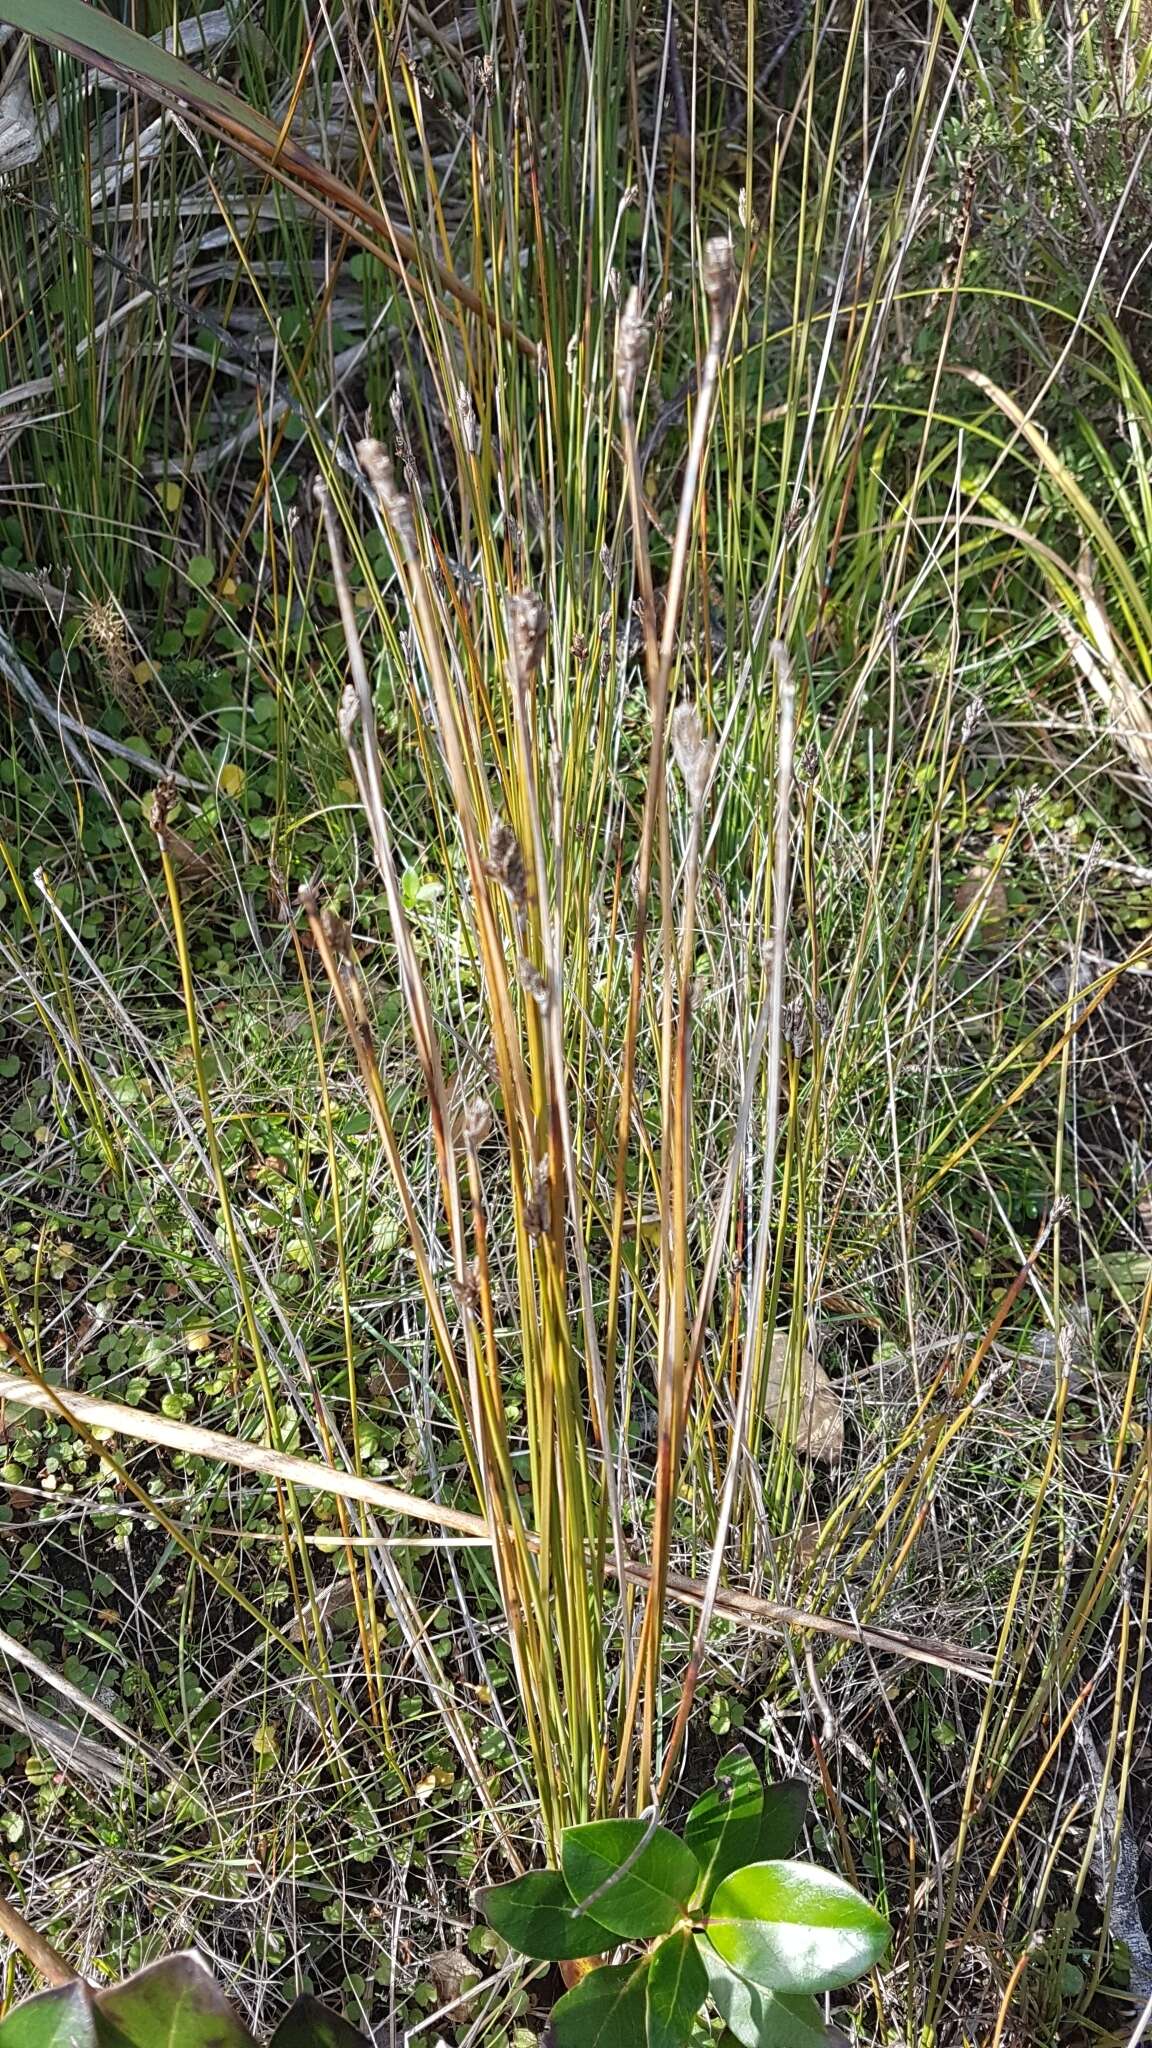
785 1812
307 2025
677 1988
795 1927
607 2009
655 1889
723 1828
535 1914
175 2003
764 2019
53 2019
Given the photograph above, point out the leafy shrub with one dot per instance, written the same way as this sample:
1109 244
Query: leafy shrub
726 1914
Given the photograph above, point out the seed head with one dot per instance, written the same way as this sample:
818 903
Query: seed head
974 716
108 635
527 625
477 1122
796 1028
338 934
631 349
161 805
694 754
505 864
538 1206
533 983
376 463
349 713
719 274
467 420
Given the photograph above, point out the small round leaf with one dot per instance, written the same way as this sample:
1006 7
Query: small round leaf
795 1927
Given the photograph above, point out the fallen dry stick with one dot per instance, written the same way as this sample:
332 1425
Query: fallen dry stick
146 1426
39 1953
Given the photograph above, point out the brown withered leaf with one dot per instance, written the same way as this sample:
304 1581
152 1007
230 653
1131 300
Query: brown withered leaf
802 1404
453 1973
985 887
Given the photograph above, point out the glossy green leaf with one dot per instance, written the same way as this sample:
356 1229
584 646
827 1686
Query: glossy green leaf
535 1914
795 1927
53 2019
764 2019
782 1823
677 1988
607 2009
723 1828
653 1892
176 2003
307 2025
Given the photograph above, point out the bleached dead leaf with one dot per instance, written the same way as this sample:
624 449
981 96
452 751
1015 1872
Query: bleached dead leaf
802 1404
1106 669
806 1542
983 893
21 133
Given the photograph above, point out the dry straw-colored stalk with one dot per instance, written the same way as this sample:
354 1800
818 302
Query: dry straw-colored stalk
145 1425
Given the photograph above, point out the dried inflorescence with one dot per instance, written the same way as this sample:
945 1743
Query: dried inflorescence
538 1206
795 1026
468 420
505 864
349 713
975 713
477 1123
527 630
631 350
719 273
694 754
338 935
108 635
162 803
533 982
376 463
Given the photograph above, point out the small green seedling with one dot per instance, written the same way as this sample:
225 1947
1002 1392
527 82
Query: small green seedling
726 1914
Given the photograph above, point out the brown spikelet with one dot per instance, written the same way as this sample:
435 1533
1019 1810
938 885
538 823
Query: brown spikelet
538 1207
477 1123
338 935
505 864
631 349
376 463
533 983
107 635
163 799
527 627
694 754
719 274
